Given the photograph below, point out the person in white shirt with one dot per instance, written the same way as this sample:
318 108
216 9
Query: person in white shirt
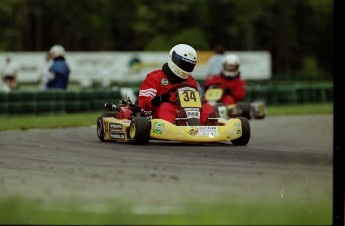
43 71
9 73
4 87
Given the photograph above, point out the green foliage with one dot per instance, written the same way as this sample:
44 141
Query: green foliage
159 42
193 37
310 68
292 31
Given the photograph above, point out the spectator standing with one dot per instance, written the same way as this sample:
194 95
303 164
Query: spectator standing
43 71
10 73
4 87
59 70
215 63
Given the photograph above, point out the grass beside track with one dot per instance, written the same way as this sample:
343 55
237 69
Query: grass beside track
10 122
19 211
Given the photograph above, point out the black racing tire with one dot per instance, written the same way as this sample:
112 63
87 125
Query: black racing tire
139 130
263 115
244 139
260 117
246 110
100 129
259 109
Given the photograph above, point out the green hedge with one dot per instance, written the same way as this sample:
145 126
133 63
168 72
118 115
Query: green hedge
57 101
291 93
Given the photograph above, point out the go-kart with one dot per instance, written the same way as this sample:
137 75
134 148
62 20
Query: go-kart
256 109
127 122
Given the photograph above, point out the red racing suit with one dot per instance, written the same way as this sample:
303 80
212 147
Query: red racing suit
234 88
157 83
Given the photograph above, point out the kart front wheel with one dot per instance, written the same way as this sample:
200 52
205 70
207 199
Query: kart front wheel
244 139
139 130
100 129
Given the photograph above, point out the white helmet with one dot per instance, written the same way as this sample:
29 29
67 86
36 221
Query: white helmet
57 51
182 60
231 65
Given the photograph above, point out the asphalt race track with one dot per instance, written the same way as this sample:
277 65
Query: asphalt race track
287 159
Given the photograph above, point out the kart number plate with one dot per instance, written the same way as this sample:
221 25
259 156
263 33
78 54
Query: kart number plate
214 94
189 99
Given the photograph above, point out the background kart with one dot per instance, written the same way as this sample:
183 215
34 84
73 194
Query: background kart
130 123
256 109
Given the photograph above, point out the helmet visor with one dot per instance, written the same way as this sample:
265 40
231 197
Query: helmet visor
182 62
230 67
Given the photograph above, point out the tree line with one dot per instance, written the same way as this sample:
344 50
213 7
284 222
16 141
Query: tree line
298 33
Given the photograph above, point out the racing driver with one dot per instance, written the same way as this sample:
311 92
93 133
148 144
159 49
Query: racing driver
154 91
229 80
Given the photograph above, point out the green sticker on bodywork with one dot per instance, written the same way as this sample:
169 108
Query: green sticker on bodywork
158 127
238 128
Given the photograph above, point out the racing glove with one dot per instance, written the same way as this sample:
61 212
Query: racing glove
158 100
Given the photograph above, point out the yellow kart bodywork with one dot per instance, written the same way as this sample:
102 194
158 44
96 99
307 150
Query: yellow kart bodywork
163 130
116 129
139 129
120 130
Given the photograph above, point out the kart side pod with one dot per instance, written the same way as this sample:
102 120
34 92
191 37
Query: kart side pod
236 130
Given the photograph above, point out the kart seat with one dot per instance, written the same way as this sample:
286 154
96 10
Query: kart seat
212 119
181 119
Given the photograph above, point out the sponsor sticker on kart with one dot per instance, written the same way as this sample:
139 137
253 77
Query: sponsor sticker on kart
158 127
193 131
115 126
118 136
238 127
203 130
193 113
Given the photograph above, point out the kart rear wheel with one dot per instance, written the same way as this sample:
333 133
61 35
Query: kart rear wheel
100 129
246 110
244 139
139 130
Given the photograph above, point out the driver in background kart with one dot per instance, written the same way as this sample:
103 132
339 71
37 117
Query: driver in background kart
154 92
229 80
